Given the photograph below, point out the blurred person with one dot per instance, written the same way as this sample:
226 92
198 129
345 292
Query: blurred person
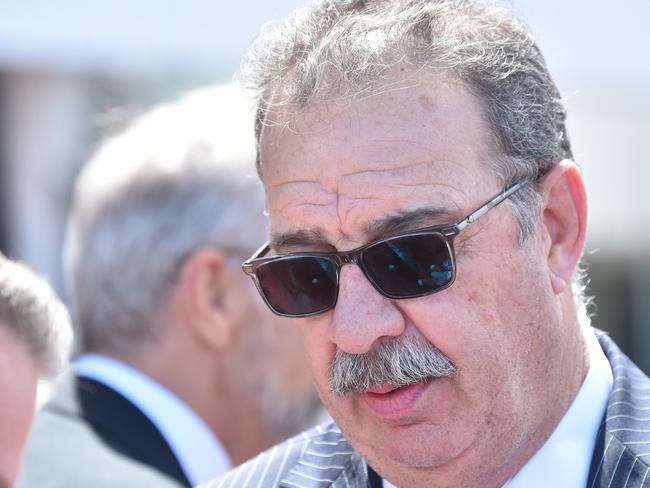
35 336
426 224
183 373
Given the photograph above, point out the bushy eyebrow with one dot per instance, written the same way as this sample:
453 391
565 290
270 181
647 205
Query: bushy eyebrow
298 239
385 226
409 220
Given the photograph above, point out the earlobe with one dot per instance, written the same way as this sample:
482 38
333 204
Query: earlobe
203 287
565 220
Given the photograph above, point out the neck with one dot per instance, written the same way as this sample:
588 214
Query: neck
197 377
241 428
564 381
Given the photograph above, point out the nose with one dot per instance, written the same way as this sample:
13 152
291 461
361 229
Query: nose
362 315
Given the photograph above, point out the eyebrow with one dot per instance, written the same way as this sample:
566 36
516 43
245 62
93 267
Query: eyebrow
299 238
409 220
398 222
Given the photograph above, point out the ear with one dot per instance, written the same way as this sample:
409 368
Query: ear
202 288
565 219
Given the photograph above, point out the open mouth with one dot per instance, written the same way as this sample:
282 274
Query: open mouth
395 401
385 389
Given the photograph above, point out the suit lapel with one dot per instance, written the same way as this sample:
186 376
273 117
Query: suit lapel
327 461
622 450
122 426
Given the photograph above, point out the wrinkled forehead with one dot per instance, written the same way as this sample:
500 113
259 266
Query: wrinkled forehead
428 87
434 96
425 139
423 110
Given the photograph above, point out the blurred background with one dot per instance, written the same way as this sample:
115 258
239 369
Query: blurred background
71 70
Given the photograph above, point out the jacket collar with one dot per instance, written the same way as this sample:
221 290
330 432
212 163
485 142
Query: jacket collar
622 450
328 461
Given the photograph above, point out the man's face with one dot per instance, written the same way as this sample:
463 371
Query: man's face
331 177
18 381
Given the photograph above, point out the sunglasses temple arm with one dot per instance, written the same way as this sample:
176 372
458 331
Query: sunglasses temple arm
482 210
247 267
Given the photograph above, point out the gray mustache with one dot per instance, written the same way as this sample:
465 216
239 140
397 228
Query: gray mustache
399 361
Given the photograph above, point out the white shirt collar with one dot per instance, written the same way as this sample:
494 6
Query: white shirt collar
565 458
198 451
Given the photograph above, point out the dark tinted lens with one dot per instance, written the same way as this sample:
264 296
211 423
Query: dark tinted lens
298 285
410 265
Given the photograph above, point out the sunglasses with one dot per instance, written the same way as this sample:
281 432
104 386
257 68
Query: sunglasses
406 265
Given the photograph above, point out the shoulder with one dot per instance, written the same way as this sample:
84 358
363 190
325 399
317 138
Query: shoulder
625 432
63 450
318 457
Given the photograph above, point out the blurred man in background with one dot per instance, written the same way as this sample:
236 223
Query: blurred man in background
35 336
184 373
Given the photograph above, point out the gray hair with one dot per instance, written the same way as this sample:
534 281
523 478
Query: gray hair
32 313
180 178
350 48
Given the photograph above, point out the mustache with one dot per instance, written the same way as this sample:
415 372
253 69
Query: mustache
401 361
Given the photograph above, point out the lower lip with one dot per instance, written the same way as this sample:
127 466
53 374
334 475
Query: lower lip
397 403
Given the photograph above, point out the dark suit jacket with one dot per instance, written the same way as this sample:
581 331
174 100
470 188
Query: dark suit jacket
88 435
323 458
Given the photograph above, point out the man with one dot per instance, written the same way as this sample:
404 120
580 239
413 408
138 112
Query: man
184 373
35 336
426 223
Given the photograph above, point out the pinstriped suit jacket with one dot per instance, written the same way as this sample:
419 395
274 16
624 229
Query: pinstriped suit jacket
322 457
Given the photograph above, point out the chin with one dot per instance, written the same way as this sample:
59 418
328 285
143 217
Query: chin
418 446
427 449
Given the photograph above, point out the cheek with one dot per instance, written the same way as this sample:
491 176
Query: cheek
292 357
320 350
487 323
16 412
453 321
